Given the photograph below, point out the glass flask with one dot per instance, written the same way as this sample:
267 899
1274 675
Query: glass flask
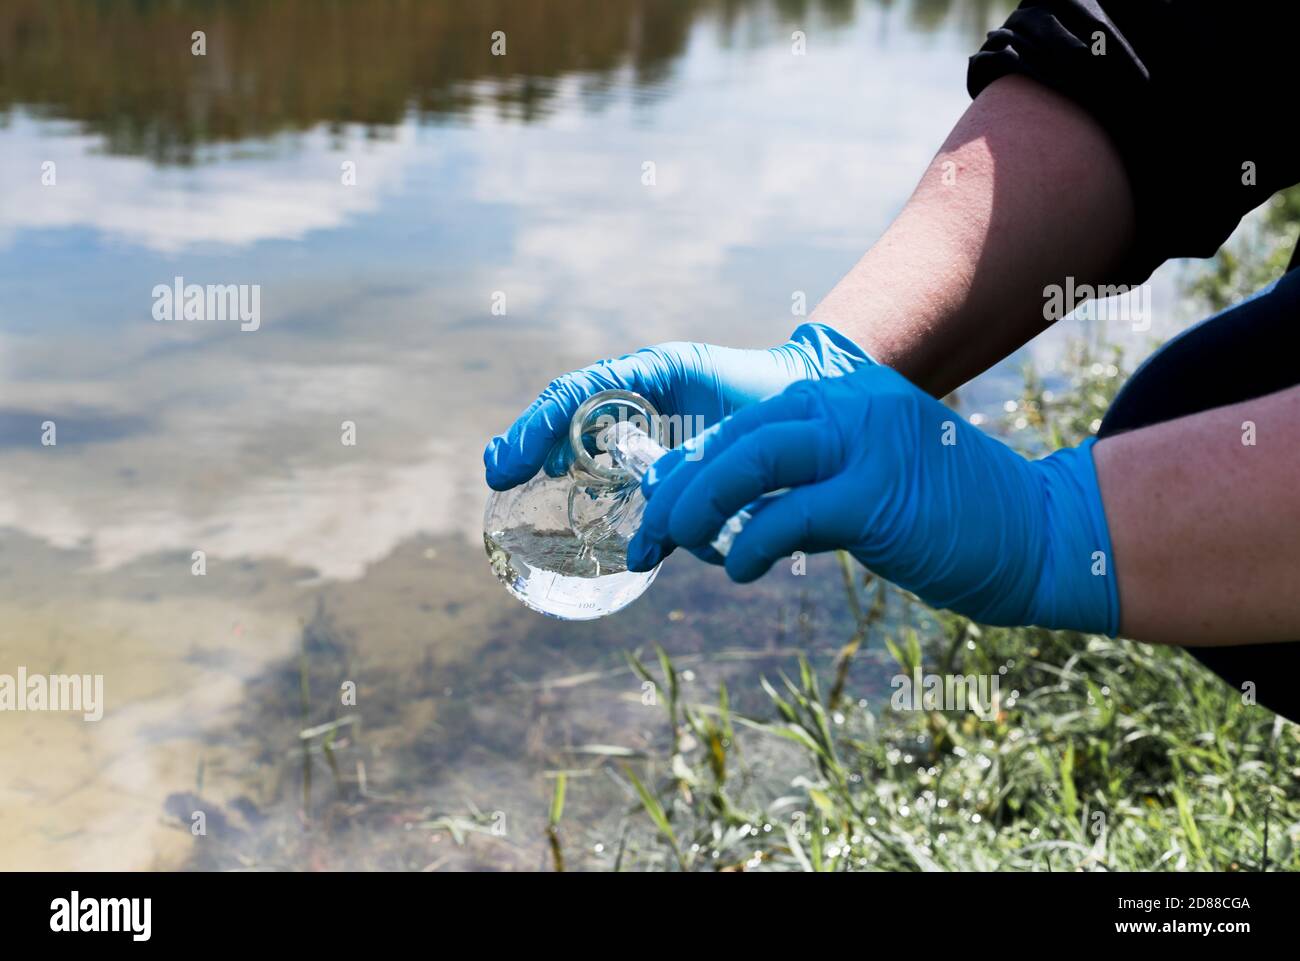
559 544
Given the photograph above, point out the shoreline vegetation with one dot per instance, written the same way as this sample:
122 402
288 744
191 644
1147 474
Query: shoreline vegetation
1072 752
1095 754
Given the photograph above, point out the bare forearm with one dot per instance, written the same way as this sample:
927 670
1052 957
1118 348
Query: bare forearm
1204 524
1026 191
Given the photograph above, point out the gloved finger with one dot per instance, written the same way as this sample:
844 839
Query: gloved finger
672 473
788 454
803 519
707 554
665 465
651 543
645 555
797 402
538 438
646 550
513 457
662 484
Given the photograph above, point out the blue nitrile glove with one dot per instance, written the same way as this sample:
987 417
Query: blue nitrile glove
683 379
914 492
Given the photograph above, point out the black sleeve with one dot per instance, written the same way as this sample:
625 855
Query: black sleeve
1190 92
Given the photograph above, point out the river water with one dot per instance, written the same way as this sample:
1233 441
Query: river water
434 232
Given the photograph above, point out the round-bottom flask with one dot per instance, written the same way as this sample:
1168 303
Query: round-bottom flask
559 544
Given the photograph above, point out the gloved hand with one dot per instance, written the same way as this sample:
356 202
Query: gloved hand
678 379
913 491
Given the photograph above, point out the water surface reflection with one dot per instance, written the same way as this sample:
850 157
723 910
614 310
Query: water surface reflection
328 563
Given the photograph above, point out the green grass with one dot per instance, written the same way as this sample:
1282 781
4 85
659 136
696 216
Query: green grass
1258 254
1097 754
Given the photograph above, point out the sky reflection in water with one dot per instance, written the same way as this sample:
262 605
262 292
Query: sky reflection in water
474 175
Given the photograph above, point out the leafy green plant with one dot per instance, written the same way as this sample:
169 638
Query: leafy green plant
1257 255
1095 754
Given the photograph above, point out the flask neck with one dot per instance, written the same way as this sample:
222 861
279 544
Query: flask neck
630 448
593 460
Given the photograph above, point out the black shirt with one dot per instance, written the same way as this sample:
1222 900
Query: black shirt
1196 96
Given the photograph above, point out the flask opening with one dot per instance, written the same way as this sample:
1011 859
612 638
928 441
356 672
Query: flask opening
598 412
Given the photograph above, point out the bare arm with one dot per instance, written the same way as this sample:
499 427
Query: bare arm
1026 190
1203 526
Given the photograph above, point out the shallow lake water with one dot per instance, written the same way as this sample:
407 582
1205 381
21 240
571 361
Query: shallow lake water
476 183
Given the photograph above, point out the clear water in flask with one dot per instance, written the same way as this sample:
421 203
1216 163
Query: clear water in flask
559 543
